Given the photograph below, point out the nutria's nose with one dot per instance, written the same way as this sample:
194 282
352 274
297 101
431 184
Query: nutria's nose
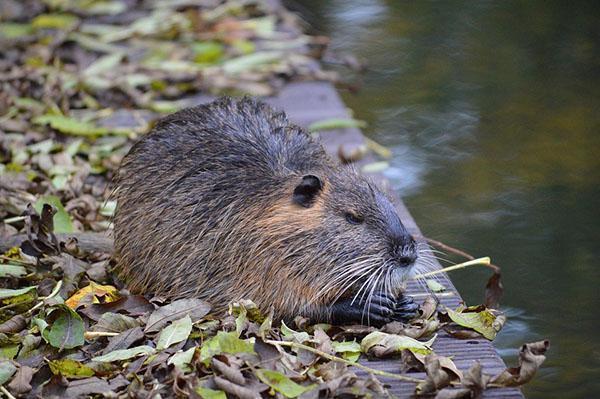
405 253
407 260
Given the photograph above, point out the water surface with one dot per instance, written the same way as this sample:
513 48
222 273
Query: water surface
492 112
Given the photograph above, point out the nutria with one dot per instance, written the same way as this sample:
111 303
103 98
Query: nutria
229 200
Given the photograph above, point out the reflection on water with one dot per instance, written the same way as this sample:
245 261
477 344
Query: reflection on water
491 109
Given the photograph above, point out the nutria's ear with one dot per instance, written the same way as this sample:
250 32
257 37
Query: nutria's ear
307 190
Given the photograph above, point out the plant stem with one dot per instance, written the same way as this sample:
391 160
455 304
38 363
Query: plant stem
480 261
96 334
341 360
55 291
14 219
8 394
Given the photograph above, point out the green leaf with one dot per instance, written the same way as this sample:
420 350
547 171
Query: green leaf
11 30
67 330
70 368
12 271
375 167
104 64
282 384
67 125
54 21
42 325
350 350
176 332
251 61
291 335
336 123
207 393
225 342
182 359
62 219
8 293
7 369
124 354
434 285
382 344
207 52
481 320
9 351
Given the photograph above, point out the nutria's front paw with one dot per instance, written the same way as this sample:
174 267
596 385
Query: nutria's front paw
406 308
380 310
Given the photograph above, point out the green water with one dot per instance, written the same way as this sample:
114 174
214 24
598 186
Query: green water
492 112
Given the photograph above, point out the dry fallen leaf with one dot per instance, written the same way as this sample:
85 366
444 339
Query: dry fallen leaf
531 357
93 293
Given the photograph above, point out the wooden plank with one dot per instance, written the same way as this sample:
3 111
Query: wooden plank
308 102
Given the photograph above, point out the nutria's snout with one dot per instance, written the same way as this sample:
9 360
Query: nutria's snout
405 253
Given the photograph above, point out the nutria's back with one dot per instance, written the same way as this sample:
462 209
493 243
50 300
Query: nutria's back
229 200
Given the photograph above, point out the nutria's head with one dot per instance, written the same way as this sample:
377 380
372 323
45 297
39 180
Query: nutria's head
346 234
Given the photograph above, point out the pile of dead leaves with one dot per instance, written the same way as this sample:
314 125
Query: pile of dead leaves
68 328
80 79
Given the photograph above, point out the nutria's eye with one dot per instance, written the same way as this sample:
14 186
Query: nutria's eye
353 219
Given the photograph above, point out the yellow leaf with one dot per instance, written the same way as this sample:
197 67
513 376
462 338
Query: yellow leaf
108 293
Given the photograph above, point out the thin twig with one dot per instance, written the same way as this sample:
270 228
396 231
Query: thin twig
5 391
19 261
14 219
445 247
96 334
55 291
341 360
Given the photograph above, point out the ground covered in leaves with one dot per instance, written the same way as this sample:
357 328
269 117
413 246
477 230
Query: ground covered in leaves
79 81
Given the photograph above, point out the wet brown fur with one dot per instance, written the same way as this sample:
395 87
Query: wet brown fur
205 210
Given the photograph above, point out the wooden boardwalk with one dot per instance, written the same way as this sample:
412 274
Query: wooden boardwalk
307 102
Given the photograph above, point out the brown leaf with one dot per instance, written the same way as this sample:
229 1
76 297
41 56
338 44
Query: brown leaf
417 361
323 341
231 372
459 333
21 381
475 380
87 386
494 290
195 308
14 325
40 232
531 357
133 305
236 390
428 307
124 340
437 377
454 393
